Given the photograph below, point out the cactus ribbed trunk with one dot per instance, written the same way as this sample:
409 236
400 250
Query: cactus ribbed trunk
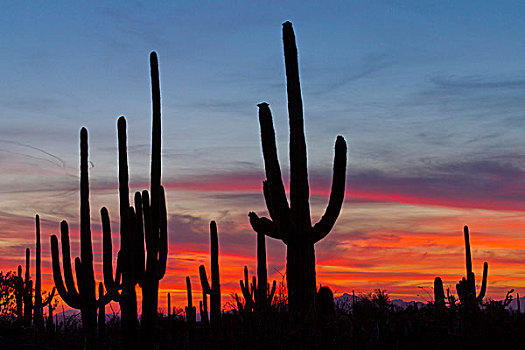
262 278
300 277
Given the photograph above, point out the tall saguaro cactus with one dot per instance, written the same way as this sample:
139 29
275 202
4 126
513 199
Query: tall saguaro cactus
83 297
466 288
146 223
292 223
155 220
131 255
214 290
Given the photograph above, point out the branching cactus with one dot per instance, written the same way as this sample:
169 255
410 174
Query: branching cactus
39 305
214 290
155 222
258 295
146 223
131 255
83 297
439 293
466 288
291 223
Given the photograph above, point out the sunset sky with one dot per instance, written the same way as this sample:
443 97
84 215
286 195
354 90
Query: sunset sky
430 96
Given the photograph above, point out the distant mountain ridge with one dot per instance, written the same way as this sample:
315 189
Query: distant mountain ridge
345 301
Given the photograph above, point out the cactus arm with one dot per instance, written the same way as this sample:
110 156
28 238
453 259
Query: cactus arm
148 234
107 255
139 236
204 280
268 199
279 204
163 238
49 297
483 282
244 286
70 298
337 194
265 226
118 271
66 258
299 189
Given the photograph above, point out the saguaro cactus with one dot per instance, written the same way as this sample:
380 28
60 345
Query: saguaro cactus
292 223
38 308
83 298
131 255
19 294
439 293
146 223
215 289
28 291
466 288
155 220
259 295
191 314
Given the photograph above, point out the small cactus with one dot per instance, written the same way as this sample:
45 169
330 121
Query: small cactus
215 289
439 293
466 288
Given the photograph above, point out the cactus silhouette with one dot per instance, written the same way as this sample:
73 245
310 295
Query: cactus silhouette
191 314
258 295
38 307
155 222
466 288
19 294
101 319
169 308
28 291
215 289
131 254
439 293
292 223
83 298
33 310
146 222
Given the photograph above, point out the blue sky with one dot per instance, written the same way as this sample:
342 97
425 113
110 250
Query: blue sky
429 94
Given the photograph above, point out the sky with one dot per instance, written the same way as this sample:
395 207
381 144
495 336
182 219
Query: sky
430 96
